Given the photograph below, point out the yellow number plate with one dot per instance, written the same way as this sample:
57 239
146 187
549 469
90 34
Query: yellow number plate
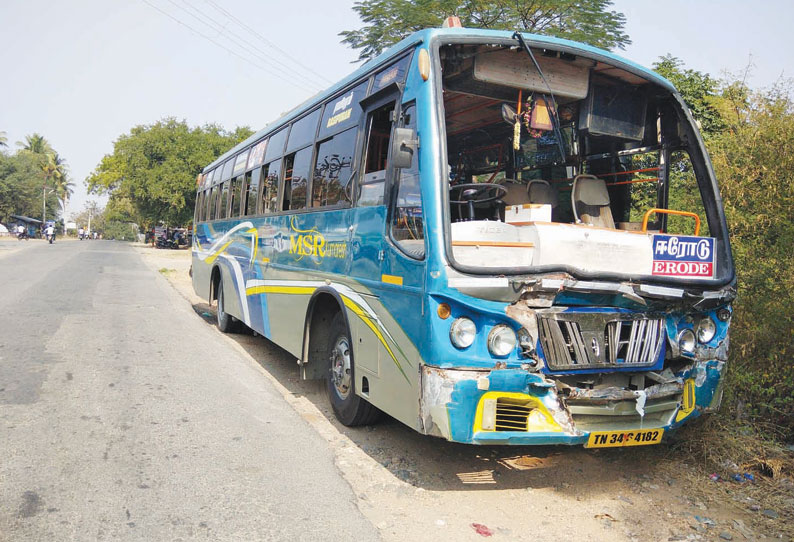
612 439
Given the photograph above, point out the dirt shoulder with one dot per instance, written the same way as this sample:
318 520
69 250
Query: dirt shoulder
414 487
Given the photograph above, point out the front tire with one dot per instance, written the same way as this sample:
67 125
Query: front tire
349 408
224 320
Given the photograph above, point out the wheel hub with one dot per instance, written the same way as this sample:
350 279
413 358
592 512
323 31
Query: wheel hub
340 367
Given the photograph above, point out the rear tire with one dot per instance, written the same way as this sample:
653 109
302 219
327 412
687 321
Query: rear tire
349 408
225 322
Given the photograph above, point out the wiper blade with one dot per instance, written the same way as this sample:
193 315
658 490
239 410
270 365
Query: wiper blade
555 122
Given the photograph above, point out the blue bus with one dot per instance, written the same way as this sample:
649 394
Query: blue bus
493 237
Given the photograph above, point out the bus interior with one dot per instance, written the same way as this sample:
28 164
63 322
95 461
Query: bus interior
577 163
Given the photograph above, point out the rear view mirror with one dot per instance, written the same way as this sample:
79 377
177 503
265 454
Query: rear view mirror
404 144
508 114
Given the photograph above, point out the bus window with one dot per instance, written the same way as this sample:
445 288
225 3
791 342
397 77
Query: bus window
378 134
227 170
407 229
257 155
234 196
393 74
270 174
240 163
223 201
251 190
211 206
342 112
303 131
332 172
275 145
296 179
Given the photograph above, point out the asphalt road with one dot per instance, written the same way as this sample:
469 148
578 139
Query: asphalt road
123 417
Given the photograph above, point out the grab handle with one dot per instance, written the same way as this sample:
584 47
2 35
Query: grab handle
670 212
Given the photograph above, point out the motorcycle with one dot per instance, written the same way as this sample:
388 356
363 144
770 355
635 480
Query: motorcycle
50 237
22 235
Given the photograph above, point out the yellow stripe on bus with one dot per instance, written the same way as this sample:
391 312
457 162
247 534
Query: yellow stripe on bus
218 252
300 290
365 318
392 279
349 303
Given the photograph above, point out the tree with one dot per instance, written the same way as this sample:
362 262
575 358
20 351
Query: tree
154 168
388 21
753 159
35 144
21 180
699 91
93 214
3 139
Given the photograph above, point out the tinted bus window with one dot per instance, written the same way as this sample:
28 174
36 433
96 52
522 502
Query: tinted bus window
393 74
227 170
333 169
275 145
296 179
240 162
257 155
343 111
252 189
211 207
234 195
199 204
302 132
270 174
223 203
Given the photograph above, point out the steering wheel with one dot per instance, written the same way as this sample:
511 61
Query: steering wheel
475 192
471 193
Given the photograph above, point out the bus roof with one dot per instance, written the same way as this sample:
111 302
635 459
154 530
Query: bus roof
427 35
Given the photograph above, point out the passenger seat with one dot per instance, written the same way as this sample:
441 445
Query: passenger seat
590 201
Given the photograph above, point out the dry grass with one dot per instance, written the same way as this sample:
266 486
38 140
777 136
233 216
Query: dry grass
717 445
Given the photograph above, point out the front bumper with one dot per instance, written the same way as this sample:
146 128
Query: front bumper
516 407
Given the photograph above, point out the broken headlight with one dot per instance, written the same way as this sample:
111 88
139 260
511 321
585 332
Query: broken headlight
686 341
501 341
706 329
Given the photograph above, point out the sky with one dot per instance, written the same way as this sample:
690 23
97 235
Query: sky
83 72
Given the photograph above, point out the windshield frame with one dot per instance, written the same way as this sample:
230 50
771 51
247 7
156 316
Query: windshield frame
701 163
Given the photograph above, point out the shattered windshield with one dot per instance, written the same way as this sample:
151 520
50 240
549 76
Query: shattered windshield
589 168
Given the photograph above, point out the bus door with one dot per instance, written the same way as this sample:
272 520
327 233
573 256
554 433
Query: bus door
392 279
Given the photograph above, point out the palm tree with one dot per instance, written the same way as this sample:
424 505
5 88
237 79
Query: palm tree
3 139
35 144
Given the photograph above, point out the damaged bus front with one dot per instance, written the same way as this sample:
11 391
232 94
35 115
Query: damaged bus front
579 287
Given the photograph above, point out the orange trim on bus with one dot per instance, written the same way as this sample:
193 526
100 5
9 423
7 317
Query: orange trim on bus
670 212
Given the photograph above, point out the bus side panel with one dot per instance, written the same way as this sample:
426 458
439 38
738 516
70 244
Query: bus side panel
201 276
395 387
391 319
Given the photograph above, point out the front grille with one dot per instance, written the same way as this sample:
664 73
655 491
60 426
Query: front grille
634 342
582 340
511 415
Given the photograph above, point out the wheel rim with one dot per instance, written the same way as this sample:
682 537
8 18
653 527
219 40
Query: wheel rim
340 367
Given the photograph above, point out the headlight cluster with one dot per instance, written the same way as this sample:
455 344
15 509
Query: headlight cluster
702 332
501 341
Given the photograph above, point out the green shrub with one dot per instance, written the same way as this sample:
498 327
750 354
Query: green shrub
120 231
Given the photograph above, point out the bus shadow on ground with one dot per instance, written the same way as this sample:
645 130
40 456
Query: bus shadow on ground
435 464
